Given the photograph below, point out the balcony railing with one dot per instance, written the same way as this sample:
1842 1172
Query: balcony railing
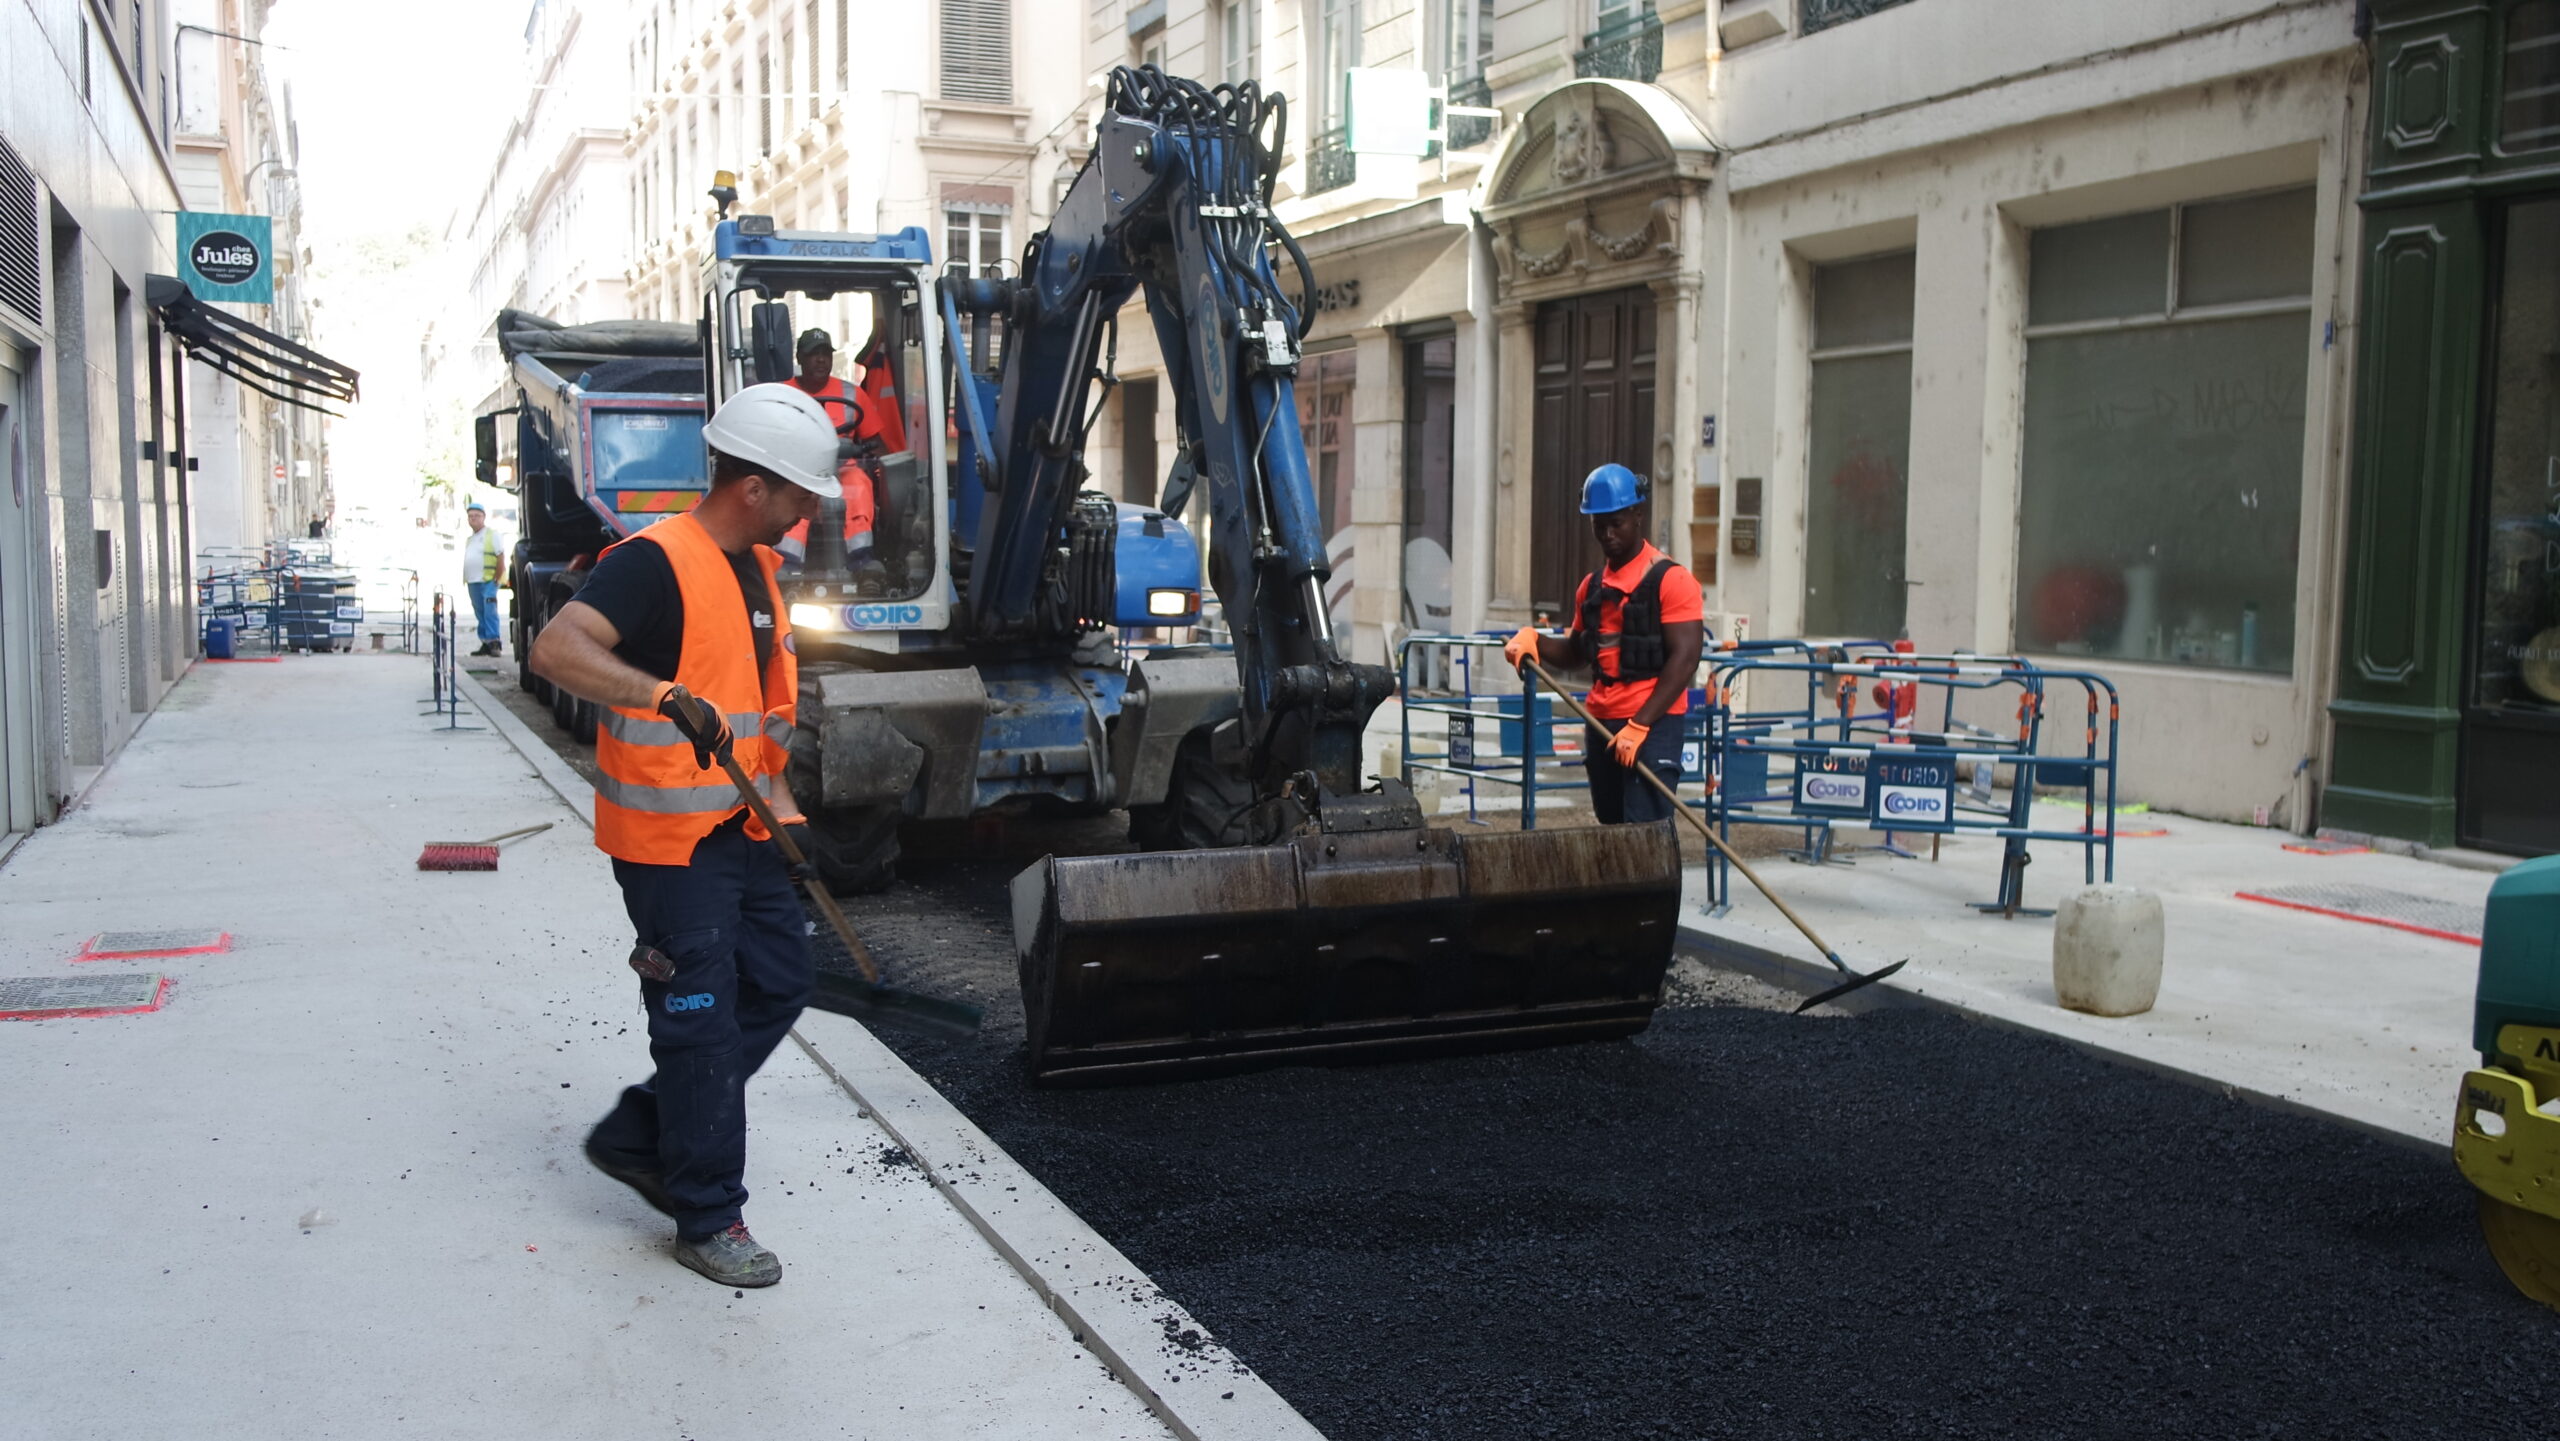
1823 14
1330 162
1466 132
1630 49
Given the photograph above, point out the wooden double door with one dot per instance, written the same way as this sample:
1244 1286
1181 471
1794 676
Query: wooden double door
1594 404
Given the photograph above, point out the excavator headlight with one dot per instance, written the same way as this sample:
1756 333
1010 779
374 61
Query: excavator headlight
1172 602
805 616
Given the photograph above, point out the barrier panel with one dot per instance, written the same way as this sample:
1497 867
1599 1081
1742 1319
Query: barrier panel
1791 745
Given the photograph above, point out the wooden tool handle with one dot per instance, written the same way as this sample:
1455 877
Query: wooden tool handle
1694 819
815 890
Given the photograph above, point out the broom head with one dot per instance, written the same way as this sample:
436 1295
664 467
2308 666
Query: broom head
458 856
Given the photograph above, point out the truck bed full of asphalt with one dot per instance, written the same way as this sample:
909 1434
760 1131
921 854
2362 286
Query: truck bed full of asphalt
1750 1223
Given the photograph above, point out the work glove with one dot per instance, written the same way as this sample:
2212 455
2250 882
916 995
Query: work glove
797 828
1523 646
1629 740
699 721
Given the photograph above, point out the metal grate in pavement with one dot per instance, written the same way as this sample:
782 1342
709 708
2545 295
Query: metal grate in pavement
32 998
2373 905
126 945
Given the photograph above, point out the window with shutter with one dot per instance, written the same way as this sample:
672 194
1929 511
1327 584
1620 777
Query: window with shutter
21 241
764 100
977 50
844 44
811 30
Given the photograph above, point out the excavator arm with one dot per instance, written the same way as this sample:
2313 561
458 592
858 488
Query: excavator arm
1176 201
1348 927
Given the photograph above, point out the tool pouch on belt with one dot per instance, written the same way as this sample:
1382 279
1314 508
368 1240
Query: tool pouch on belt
1642 648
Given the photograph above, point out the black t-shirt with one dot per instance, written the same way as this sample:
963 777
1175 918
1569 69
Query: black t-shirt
634 587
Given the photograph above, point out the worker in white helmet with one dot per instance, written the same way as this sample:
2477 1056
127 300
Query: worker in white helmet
680 632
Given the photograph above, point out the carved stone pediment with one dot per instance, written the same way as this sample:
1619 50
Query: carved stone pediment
1590 136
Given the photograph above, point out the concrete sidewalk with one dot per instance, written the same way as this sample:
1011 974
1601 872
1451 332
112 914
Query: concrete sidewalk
332 1188
2358 1021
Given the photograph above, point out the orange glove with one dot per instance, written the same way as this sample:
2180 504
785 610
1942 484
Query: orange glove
1630 737
1522 646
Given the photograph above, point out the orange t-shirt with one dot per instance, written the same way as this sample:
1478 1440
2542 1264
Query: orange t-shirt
1615 699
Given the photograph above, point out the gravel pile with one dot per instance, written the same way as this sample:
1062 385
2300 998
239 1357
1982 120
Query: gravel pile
1749 1223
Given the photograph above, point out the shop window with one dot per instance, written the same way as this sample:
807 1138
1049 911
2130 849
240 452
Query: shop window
1858 476
2160 493
2529 88
1326 383
2517 666
1430 444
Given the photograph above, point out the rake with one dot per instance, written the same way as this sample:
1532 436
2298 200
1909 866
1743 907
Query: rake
470 855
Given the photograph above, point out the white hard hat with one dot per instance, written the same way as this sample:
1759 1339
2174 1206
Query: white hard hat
777 428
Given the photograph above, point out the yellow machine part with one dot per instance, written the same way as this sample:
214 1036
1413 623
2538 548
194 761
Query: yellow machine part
2509 1148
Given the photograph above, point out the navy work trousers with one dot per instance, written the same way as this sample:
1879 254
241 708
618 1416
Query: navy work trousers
732 924
1619 796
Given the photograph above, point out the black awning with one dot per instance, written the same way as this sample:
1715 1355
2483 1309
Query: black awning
255 356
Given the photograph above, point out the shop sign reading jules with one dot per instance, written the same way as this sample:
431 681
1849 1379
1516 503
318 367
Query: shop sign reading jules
226 257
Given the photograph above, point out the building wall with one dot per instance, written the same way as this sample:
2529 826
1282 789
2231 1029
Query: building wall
1900 131
96 618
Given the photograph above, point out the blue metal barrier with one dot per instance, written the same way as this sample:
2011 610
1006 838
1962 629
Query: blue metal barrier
1783 761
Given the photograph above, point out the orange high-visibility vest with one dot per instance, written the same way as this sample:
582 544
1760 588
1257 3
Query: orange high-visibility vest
653 803
860 511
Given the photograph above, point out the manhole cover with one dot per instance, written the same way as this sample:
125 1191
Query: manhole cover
2445 920
26 998
125 945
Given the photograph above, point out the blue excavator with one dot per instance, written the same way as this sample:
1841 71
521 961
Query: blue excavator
1282 906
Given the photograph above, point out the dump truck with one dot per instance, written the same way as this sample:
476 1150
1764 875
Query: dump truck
992 658
598 431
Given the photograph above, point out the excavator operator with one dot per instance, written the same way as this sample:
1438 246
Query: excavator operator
861 432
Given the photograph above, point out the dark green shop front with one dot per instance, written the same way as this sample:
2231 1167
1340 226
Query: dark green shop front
2447 719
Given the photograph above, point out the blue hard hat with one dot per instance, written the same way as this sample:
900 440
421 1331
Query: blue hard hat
1612 488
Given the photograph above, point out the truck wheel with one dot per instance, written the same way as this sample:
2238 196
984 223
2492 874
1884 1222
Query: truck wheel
1205 804
855 852
561 701
526 680
583 716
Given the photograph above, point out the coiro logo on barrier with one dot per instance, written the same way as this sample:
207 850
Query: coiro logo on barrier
698 1001
874 617
1912 803
1833 790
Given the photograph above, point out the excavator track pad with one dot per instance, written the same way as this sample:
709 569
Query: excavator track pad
1352 946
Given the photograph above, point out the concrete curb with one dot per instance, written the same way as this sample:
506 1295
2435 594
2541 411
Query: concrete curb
573 790
1145 1337
1805 976
1113 1309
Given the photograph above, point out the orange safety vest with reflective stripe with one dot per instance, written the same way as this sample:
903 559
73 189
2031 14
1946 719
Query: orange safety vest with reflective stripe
652 802
847 417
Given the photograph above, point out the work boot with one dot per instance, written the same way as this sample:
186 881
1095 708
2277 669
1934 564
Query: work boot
651 1186
731 1258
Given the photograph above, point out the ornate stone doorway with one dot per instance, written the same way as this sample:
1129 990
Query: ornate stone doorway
1597 215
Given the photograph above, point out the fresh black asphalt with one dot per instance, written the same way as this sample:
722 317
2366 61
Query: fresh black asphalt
1750 1223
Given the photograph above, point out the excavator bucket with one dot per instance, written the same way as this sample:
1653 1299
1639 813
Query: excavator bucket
1359 946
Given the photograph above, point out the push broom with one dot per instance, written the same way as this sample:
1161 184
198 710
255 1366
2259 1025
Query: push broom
1856 978
471 855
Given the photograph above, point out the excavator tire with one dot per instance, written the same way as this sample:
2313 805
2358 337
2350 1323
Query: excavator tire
1205 804
855 852
854 849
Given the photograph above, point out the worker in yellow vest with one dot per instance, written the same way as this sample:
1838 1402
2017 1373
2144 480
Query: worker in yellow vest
681 632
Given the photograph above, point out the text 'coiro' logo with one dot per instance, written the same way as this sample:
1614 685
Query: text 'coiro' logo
873 617
1824 788
225 257
1920 805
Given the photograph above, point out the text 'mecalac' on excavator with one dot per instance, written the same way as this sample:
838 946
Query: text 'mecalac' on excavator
1284 908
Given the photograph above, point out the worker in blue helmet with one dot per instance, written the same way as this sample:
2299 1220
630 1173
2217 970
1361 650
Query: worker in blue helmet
1639 625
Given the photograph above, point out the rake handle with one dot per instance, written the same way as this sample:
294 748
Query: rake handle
791 852
1694 819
